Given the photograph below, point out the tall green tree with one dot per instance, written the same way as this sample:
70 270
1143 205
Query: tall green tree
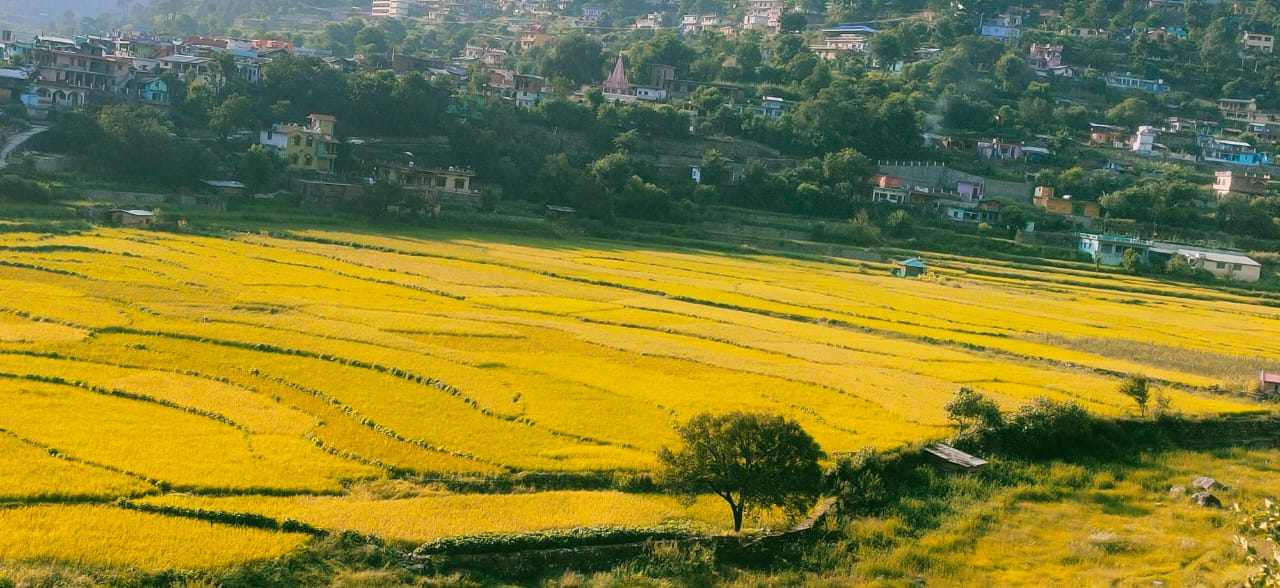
576 57
752 461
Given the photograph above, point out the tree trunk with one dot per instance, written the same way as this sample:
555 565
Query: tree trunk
737 516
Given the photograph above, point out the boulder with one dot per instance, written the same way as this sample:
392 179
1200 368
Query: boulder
1206 500
1206 483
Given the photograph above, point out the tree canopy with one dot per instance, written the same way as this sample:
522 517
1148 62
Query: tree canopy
752 461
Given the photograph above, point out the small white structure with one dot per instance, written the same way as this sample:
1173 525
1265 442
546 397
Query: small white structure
1144 141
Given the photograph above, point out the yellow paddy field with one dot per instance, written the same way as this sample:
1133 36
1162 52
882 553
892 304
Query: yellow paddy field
274 374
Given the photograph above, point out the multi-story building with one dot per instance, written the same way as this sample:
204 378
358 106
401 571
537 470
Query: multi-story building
843 40
1245 111
304 148
1235 152
1046 60
1227 182
69 71
437 184
696 23
397 8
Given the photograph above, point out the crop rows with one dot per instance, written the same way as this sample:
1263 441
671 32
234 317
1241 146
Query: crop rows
271 375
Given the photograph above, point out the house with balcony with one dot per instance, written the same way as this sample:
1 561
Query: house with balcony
1228 182
1257 43
1046 61
1234 152
68 71
1245 111
843 40
528 90
1005 27
437 184
311 147
187 68
697 23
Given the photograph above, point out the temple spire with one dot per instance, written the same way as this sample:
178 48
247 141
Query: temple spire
617 82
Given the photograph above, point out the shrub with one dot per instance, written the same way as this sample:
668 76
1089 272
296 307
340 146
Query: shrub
858 479
1049 428
17 189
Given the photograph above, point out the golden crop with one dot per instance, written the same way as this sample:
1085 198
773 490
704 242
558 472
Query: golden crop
133 361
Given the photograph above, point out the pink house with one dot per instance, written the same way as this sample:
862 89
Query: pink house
1268 384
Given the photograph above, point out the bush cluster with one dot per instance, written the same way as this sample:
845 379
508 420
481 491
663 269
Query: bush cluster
18 189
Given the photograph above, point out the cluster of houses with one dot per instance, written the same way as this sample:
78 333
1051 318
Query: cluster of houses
1222 263
60 72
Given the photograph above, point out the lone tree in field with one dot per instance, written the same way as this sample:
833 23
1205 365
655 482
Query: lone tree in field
752 461
1135 387
978 419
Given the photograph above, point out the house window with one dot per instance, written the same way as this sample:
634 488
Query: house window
1235 267
309 140
297 140
440 181
1221 265
459 184
307 161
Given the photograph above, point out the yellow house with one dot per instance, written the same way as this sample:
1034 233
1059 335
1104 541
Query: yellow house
305 148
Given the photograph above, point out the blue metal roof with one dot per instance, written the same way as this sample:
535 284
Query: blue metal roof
848 28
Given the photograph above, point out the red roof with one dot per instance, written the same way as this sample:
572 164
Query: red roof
1269 378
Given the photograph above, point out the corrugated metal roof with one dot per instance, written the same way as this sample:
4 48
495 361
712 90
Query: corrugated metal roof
955 456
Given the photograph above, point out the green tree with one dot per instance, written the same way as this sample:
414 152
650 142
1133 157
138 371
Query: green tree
235 113
1131 261
978 419
714 167
1135 387
792 22
1131 113
576 58
752 461
255 168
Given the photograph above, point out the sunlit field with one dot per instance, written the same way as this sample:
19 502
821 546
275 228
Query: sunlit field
274 374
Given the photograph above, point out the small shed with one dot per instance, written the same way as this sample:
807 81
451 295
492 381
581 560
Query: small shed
229 188
951 459
132 217
1268 383
909 268
560 212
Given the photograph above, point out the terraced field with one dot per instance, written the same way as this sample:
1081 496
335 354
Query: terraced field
279 375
